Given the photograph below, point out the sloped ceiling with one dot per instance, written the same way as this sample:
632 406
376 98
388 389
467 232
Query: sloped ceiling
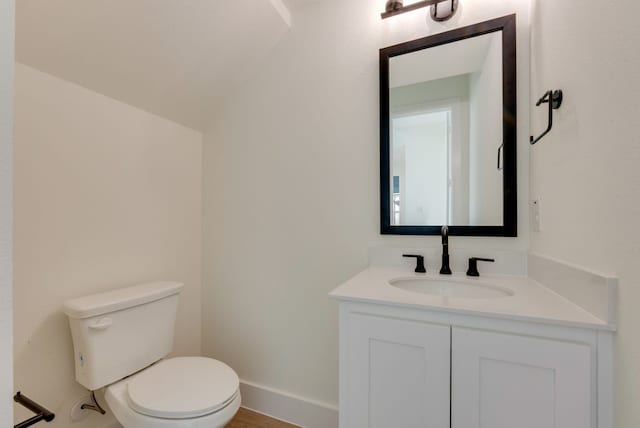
295 4
174 58
462 57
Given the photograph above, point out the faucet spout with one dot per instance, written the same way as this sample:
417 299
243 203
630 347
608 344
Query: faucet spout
445 269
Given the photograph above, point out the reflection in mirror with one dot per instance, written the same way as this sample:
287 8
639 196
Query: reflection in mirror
446 130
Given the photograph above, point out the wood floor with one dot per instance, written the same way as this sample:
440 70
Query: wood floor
248 419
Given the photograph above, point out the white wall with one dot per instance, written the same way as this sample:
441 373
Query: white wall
106 195
291 190
485 137
411 96
586 170
6 125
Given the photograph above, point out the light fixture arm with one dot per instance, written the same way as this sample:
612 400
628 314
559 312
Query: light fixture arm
396 8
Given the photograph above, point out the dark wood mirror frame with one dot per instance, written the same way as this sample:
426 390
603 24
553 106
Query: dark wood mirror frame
507 25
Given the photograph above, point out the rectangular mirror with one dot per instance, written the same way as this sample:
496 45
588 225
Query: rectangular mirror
448 132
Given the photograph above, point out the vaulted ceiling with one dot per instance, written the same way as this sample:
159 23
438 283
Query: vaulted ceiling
174 58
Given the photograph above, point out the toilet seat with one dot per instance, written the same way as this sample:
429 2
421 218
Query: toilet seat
117 397
181 388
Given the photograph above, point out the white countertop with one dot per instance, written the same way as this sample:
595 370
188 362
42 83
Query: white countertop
531 300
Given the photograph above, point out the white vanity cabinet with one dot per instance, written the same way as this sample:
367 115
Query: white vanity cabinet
506 380
421 368
397 373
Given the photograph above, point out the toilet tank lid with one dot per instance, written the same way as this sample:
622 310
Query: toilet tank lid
122 298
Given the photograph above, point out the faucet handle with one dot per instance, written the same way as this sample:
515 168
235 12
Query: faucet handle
419 262
473 265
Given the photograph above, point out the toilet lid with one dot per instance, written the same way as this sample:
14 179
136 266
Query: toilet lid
180 388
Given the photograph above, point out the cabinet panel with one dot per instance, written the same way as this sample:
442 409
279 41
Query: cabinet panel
398 374
505 381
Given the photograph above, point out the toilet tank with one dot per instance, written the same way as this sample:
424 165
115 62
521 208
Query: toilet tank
120 332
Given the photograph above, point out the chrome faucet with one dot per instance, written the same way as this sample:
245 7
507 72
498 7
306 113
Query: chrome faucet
445 269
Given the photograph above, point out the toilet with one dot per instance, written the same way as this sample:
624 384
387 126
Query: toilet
121 339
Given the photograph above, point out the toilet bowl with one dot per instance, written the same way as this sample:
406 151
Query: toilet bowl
121 340
191 392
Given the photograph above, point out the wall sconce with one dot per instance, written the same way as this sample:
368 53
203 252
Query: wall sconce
441 10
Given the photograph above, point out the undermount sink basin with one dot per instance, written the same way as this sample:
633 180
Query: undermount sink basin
451 288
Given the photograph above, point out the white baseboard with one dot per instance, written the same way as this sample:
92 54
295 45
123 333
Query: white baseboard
287 407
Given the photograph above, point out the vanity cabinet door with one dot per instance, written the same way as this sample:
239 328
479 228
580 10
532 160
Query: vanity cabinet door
397 374
505 381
